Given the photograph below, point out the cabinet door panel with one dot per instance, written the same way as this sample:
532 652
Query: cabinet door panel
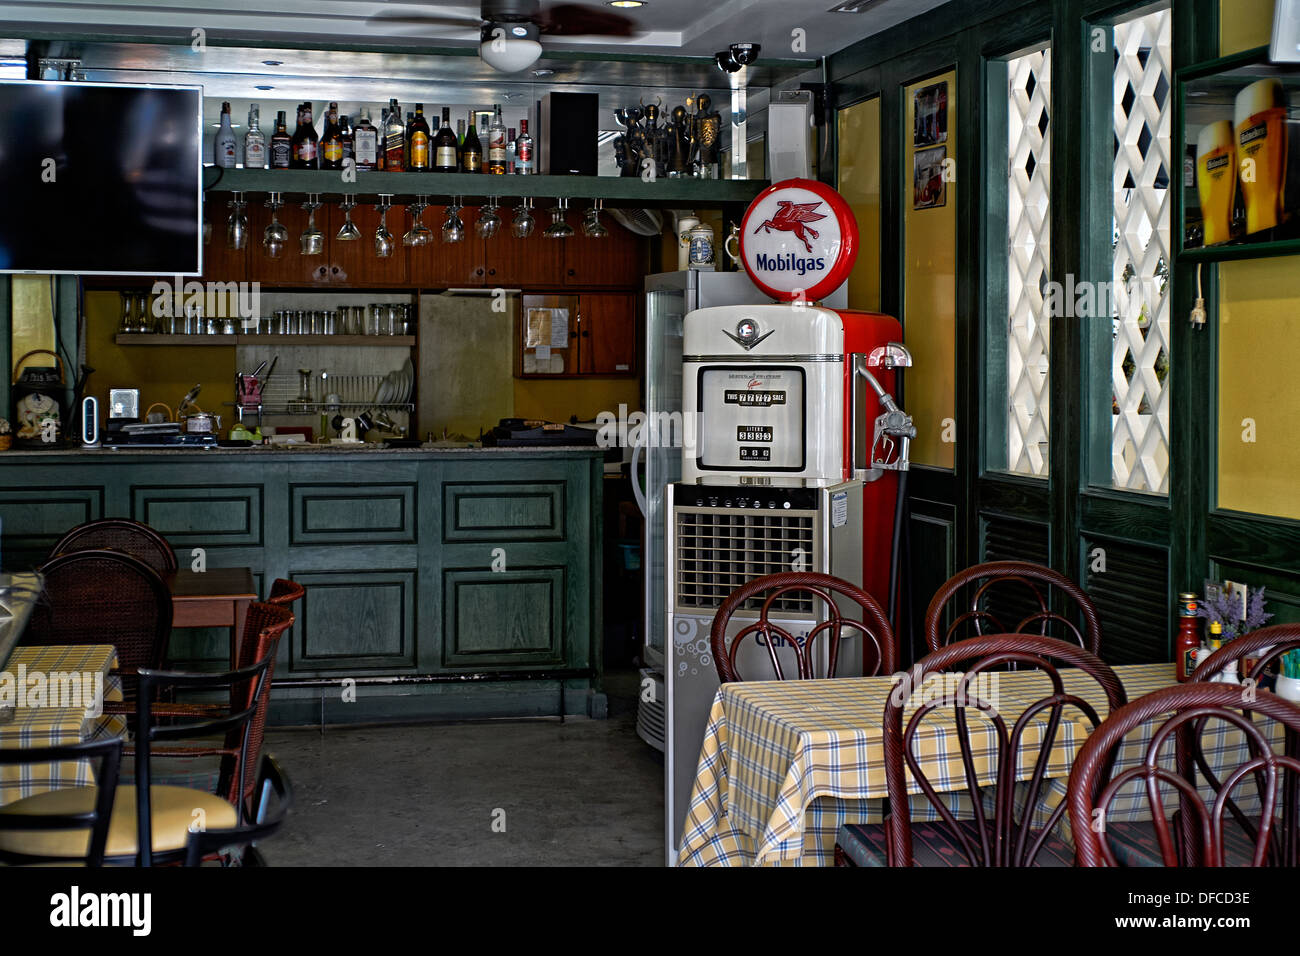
292 267
616 261
545 322
354 262
220 263
608 327
442 264
531 263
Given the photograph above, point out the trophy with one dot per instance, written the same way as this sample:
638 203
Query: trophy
681 141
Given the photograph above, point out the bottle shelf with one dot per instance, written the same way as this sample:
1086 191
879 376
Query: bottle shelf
374 341
615 190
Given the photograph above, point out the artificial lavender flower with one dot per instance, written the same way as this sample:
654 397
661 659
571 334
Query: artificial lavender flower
1223 610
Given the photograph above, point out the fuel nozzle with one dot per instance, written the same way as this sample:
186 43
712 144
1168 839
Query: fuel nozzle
894 429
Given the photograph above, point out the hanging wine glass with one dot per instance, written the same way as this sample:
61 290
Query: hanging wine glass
312 240
348 232
275 236
489 220
523 224
237 223
592 227
559 228
453 227
383 238
419 234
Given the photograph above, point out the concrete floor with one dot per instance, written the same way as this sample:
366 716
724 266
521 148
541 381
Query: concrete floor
581 793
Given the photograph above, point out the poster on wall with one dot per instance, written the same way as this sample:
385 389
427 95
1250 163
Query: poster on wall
930 115
928 188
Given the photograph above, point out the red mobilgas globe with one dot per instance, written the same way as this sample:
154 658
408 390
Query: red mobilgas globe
798 239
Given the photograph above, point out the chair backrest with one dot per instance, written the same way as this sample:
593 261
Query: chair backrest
120 534
104 597
274 800
96 820
1262 646
245 685
987 738
264 625
779 589
1182 708
1030 606
284 591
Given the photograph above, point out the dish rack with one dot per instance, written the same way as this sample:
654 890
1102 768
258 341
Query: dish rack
355 392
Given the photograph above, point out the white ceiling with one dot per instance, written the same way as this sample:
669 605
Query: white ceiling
690 27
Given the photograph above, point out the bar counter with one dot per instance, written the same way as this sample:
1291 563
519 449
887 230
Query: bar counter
442 581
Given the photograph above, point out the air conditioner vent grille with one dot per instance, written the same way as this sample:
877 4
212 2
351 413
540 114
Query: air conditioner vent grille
718 551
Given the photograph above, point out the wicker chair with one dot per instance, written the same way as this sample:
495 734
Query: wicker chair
1035 611
94 816
771 594
163 813
120 534
989 838
104 597
237 846
1270 840
284 592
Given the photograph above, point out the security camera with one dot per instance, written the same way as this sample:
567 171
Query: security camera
736 56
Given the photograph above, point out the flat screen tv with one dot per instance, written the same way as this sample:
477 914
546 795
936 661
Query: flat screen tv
100 178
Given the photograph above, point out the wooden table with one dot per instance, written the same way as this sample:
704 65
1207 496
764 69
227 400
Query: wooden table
217 597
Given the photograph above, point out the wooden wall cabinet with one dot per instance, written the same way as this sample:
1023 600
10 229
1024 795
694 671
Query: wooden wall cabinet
618 261
562 336
220 262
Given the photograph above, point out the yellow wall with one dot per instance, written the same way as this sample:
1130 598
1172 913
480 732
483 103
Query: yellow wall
1259 348
556 401
1244 25
859 184
929 297
163 373
33 321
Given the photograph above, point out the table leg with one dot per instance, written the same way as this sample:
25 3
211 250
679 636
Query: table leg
237 632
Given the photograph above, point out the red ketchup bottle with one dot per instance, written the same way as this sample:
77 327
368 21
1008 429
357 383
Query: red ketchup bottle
1189 636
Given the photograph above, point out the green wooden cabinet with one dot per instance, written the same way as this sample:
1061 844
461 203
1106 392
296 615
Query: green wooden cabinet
438 583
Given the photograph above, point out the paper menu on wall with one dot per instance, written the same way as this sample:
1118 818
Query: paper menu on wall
547 328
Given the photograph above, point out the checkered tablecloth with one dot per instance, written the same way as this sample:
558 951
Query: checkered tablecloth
783 764
46 725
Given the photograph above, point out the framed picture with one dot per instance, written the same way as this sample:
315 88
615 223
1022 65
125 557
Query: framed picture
930 115
928 188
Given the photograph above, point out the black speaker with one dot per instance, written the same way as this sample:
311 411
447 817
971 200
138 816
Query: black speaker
566 142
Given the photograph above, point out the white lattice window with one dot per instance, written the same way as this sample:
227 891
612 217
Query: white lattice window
1029 96
1140 294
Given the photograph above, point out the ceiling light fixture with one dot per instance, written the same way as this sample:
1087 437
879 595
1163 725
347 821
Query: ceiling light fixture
509 47
626 3
853 6
273 62
264 87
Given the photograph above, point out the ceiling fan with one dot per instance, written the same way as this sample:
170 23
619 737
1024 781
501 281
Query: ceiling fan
510 30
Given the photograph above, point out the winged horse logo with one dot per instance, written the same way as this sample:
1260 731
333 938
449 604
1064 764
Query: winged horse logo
794 217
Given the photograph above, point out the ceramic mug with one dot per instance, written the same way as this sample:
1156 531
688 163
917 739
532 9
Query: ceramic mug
701 249
734 237
684 227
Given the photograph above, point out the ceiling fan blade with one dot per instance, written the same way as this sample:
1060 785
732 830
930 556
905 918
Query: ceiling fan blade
396 18
573 19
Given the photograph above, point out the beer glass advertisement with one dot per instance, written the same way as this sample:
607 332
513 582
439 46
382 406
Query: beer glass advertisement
1241 170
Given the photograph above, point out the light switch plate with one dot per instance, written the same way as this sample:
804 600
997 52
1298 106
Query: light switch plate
1237 596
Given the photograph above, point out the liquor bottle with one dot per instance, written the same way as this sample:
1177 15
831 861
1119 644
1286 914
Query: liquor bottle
254 142
223 147
418 140
281 144
365 143
304 146
524 151
471 154
331 143
394 140
446 153
349 146
496 164
1187 643
460 134
510 151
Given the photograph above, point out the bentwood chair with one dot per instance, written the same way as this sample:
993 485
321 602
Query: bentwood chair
150 823
238 846
120 534
799 592
1011 597
1217 838
1003 829
25 832
104 597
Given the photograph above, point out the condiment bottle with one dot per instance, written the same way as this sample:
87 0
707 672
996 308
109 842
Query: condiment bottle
1188 640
